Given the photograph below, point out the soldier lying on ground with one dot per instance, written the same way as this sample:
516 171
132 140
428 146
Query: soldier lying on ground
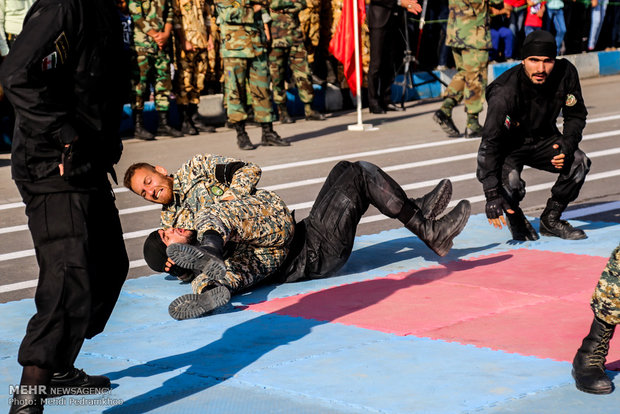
235 242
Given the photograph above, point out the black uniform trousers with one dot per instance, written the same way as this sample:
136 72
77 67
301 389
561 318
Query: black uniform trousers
538 155
83 263
342 201
381 66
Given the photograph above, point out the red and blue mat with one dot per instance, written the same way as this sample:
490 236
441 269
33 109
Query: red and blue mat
491 328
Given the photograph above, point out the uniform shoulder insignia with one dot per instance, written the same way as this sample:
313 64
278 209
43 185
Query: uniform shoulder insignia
49 62
216 191
571 100
62 47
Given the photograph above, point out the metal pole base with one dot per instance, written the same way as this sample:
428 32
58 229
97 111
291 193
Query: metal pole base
362 127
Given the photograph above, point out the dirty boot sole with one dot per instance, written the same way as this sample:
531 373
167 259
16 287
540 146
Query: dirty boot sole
192 257
194 305
433 205
444 247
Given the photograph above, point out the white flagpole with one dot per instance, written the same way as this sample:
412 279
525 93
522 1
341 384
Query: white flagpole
358 76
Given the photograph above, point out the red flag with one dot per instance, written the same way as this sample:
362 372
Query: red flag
342 45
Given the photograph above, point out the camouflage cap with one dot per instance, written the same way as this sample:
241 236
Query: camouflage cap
539 43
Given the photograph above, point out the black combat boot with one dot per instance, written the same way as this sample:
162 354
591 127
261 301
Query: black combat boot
27 403
312 115
187 125
443 116
589 362
271 137
439 234
551 225
243 140
209 261
435 202
140 131
197 122
76 381
519 226
164 129
473 128
285 118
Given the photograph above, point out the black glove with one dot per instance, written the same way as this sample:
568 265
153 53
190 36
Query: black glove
496 204
73 162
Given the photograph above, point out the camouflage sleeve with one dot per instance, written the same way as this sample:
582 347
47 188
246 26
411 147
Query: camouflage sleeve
235 11
287 4
245 180
139 21
177 15
168 13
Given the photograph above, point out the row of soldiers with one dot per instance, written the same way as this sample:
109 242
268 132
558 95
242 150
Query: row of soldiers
253 41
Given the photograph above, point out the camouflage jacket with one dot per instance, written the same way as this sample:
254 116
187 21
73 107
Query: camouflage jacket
243 33
285 28
192 18
468 24
148 15
203 180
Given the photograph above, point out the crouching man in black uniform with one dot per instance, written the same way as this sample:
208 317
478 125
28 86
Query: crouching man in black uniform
65 80
520 129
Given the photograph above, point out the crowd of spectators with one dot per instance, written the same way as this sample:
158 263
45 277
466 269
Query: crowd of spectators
579 26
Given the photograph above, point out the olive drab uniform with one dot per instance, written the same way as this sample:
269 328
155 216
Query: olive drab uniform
256 225
245 58
152 62
287 46
469 36
310 25
606 298
190 21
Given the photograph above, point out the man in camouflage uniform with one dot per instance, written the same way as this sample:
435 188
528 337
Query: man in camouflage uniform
589 362
192 41
244 49
152 28
287 46
217 198
310 25
469 37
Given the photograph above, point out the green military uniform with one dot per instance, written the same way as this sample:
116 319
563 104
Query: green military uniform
256 222
151 61
606 298
190 23
469 36
287 46
245 58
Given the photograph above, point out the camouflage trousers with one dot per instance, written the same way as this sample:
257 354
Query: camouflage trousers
606 298
259 226
190 75
152 68
255 70
309 23
470 80
296 58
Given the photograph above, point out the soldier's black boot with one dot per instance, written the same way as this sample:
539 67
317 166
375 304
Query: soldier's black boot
187 126
589 362
140 131
519 226
473 128
76 381
164 129
443 116
197 122
435 202
285 118
271 137
243 140
552 225
208 260
439 234
312 115
27 403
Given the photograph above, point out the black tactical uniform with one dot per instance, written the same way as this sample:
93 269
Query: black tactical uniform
65 78
520 129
